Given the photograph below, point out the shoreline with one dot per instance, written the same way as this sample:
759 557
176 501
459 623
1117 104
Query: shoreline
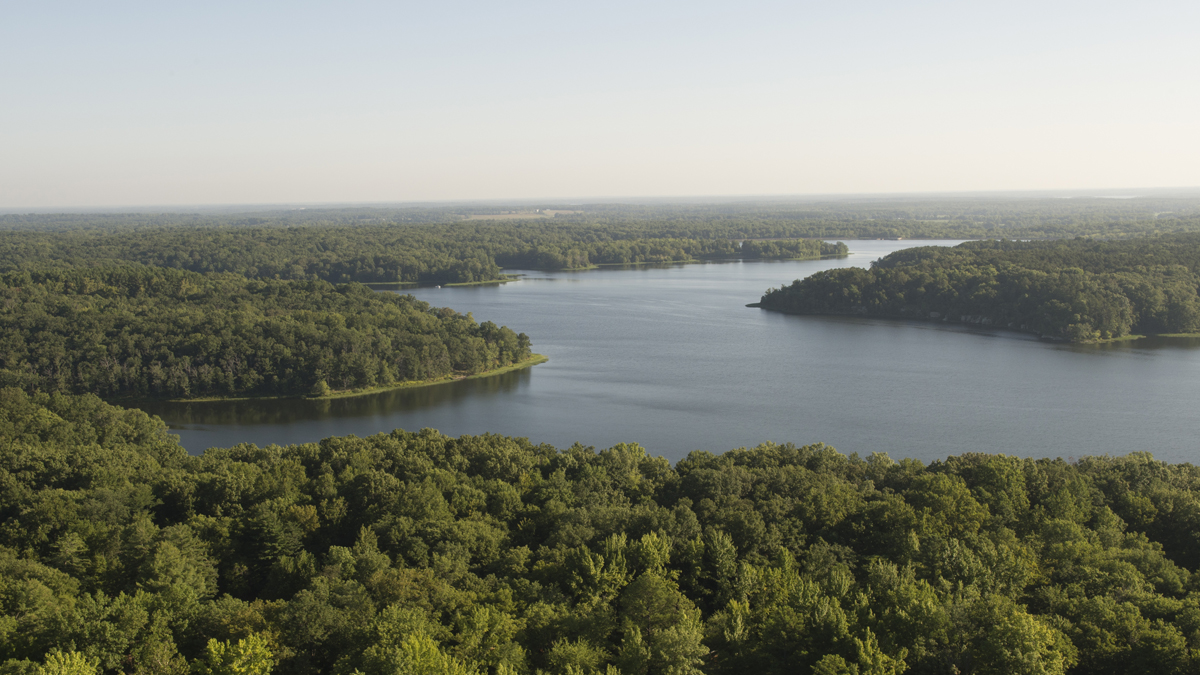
505 278
689 261
380 286
533 360
1133 337
398 285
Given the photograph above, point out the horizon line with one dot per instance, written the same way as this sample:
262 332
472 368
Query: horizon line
181 208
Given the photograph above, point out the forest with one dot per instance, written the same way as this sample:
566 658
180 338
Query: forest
457 243
371 253
153 333
1078 290
951 216
414 552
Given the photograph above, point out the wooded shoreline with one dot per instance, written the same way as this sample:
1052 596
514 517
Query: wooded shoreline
533 360
1072 290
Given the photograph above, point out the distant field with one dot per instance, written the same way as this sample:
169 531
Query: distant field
516 215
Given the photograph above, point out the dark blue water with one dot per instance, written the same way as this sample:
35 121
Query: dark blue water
672 359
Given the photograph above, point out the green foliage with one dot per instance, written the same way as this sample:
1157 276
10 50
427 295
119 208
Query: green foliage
419 553
374 253
1003 639
147 333
249 656
660 627
416 655
1075 290
436 245
68 663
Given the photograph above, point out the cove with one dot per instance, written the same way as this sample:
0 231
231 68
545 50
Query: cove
671 358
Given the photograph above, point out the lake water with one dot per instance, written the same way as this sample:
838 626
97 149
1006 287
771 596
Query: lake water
671 358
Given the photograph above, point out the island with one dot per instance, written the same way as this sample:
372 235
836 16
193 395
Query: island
1077 290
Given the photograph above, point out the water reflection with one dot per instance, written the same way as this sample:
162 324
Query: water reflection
190 415
1146 344
671 357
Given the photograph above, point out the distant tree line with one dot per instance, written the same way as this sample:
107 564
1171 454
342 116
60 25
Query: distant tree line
454 253
414 552
627 251
1077 290
158 333
948 217
433 244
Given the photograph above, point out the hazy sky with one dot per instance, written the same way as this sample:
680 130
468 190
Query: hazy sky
121 103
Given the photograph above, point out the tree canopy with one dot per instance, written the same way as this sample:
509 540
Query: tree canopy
398 252
414 552
157 333
1077 290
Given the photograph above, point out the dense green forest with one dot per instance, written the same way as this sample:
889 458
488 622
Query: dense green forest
459 244
1033 214
454 253
157 333
1015 215
420 553
1078 290
417 553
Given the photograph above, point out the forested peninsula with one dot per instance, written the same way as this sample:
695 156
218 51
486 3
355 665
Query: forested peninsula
142 332
471 243
1077 290
414 552
373 253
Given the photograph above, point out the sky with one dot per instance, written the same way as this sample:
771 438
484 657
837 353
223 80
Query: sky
190 103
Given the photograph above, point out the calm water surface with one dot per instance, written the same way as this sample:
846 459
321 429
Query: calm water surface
672 359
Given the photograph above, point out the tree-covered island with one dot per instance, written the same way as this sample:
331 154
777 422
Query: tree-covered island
1076 290
418 553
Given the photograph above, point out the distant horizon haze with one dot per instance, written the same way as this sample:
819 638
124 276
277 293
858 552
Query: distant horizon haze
1182 192
135 103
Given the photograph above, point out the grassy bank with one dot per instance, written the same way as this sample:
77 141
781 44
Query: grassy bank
533 360
693 261
504 279
1123 338
530 362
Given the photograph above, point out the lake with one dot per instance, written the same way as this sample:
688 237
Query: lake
671 358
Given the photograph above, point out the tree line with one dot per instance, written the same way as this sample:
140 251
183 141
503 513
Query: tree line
398 252
944 217
141 332
433 244
664 250
414 552
1076 290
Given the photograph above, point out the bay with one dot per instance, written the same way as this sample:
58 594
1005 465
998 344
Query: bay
671 358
